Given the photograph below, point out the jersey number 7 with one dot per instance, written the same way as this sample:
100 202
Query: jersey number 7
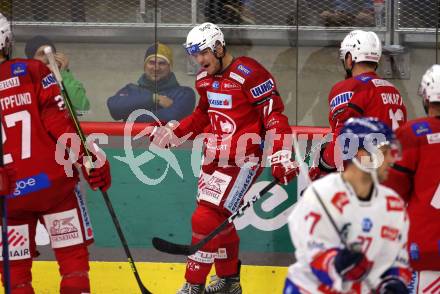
11 120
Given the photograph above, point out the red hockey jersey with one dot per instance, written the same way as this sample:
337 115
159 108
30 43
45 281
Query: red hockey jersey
416 177
363 95
237 107
33 117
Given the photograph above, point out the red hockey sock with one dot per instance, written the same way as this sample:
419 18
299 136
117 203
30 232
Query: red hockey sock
75 283
21 276
226 262
74 268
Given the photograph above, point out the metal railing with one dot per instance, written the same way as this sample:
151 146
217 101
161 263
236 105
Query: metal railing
328 16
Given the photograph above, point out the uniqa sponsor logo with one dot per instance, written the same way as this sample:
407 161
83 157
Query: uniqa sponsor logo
340 99
262 88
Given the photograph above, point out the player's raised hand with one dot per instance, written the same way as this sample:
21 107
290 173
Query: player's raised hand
7 180
284 169
352 265
164 136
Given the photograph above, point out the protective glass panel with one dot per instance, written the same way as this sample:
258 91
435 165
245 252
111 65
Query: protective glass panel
122 58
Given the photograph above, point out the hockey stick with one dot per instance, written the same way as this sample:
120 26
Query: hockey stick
5 240
182 249
56 72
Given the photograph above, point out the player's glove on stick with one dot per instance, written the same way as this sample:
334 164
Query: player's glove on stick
392 286
284 169
7 180
352 265
99 176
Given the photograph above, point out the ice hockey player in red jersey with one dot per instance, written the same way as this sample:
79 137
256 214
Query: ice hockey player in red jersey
362 93
33 118
416 177
240 107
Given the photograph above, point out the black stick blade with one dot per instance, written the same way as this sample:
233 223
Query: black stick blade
172 248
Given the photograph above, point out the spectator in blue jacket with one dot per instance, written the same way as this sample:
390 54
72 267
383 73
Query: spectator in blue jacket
157 90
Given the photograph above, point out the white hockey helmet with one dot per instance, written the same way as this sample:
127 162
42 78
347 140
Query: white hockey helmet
362 45
203 36
429 87
5 34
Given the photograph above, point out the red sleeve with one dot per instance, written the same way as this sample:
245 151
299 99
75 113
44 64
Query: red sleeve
355 108
261 91
357 104
401 175
197 121
54 115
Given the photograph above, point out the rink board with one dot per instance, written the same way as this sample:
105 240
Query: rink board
165 209
154 194
159 278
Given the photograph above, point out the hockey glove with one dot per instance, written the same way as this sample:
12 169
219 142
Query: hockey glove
323 167
352 265
98 177
284 169
392 286
164 137
315 173
7 180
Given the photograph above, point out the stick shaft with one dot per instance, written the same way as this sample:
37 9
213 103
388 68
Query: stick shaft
107 201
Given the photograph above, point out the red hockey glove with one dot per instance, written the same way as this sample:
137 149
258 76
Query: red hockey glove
352 265
284 169
7 180
315 173
164 137
99 177
323 167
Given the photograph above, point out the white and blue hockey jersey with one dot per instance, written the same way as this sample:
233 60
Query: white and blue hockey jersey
380 225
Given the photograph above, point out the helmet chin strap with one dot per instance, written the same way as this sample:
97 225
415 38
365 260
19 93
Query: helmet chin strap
348 71
426 106
220 59
372 171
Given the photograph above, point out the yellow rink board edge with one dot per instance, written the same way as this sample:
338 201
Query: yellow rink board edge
159 278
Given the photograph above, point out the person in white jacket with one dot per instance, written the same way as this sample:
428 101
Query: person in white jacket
349 231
